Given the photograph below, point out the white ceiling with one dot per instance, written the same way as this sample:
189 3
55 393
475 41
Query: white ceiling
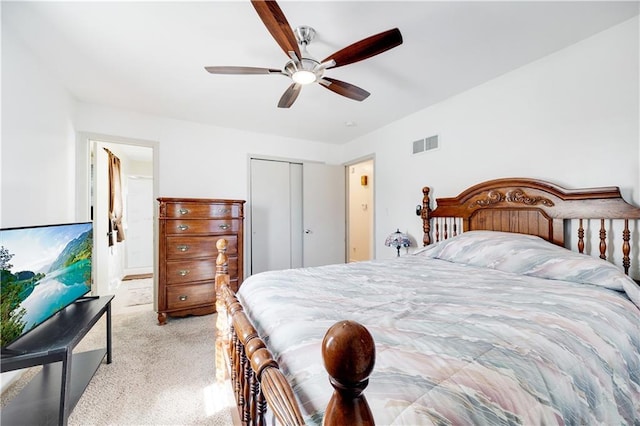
150 56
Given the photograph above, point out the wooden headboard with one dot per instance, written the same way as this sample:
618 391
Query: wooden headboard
529 206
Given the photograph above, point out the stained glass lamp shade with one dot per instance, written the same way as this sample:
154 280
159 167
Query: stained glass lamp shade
397 239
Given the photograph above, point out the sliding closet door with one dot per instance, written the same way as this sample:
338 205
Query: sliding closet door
296 225
276 210
287 198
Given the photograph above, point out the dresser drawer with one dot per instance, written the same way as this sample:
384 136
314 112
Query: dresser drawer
183 296
190 210
185 271
205 246
202 226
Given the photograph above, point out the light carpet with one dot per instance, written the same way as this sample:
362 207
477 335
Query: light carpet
160 375
138 292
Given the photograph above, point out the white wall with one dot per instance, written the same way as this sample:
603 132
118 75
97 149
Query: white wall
571 118
37 142
198 160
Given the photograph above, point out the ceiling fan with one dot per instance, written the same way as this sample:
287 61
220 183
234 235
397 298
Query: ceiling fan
304 69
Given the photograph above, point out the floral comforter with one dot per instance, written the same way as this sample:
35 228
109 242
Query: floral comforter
485 328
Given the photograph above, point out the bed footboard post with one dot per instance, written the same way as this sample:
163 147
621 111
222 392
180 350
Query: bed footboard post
222 324
348 351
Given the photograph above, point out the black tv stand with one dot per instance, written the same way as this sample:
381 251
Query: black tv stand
86 298
49 397
11 352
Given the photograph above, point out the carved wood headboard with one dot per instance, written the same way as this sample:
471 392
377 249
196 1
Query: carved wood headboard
529 206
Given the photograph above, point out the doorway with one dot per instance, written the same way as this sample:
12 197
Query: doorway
111 261
139 159
360 220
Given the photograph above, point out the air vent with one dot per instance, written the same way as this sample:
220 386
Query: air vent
418 146
431 143
426 144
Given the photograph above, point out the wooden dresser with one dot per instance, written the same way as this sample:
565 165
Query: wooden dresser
188 231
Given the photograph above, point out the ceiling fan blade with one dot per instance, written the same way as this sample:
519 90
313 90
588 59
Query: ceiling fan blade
242 70
290 95
344 89
366 48
275 21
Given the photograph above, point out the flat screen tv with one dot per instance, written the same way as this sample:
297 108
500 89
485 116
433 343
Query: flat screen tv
43 269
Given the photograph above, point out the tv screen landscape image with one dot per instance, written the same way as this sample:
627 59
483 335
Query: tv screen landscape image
43 269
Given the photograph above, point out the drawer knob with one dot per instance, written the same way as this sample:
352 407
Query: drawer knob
183 227
183 247
224 226
182 298
183 211
183 272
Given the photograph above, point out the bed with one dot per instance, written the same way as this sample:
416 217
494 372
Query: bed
494 321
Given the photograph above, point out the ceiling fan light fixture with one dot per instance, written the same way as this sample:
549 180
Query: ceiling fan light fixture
304 77
304 69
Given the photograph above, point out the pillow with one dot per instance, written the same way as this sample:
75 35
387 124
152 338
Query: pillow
530 255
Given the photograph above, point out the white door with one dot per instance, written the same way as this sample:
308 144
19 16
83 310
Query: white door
323 214
287 198
276 210
140 207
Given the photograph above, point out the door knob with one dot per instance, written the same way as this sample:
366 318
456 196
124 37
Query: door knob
307 231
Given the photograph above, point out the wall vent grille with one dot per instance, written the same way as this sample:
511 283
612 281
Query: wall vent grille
431 143
426 144
418 146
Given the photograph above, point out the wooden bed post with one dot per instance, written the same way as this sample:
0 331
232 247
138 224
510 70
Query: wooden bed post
348 351
222 326
426 220
626 247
